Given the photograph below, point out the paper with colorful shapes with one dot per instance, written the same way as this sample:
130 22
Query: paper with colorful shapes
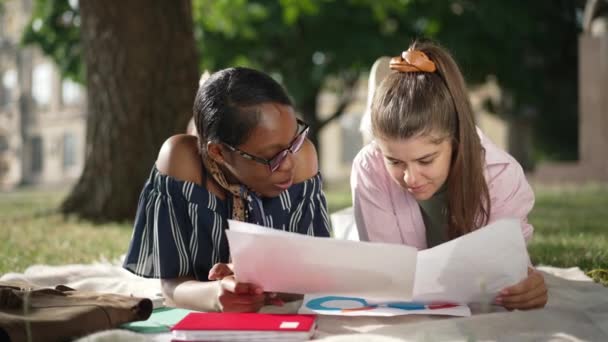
470 269
356 306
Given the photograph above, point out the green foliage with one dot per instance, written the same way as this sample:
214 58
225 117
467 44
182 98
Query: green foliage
303 43
532 49
310 45
55 27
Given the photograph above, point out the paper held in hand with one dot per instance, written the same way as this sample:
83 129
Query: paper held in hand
471 268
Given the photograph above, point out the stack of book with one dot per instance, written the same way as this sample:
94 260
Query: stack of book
207 326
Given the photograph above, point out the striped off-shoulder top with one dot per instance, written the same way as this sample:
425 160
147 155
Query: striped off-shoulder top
179 226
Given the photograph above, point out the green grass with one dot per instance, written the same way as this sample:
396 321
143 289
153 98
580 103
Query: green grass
338 196
34 233
571 229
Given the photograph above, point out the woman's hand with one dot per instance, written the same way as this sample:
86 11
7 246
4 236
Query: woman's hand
234 296
530 293
239 297
219 271
222 271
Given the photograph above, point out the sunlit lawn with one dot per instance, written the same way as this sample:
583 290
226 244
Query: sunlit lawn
33 233
571 230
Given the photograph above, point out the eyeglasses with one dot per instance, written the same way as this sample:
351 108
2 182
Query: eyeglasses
274 162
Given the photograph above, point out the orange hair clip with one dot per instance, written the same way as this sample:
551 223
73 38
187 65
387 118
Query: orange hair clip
412 61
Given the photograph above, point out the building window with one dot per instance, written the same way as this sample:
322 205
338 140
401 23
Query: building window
71 93
7 87
69 150
42 83
37 155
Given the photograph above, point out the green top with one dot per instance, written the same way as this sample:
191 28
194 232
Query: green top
434 213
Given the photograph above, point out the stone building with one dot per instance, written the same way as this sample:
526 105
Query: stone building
42 117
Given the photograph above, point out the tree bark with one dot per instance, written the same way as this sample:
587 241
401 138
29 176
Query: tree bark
308 109
141 78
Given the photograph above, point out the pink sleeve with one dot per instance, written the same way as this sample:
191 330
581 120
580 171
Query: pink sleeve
511 196
371 198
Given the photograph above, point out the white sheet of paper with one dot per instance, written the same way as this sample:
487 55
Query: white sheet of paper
474 267
356 306
288 262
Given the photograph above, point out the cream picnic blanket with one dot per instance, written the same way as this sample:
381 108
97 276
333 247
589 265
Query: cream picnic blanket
577 310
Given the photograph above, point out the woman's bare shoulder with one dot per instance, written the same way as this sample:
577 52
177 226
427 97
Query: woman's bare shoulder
307 163
179 158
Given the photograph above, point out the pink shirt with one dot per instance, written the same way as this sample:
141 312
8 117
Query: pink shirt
385 212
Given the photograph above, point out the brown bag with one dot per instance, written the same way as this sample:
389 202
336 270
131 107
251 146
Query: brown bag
62 313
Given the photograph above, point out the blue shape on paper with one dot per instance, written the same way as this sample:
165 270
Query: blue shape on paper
406 305
318 303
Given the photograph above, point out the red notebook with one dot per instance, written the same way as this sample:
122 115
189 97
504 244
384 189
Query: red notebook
206 326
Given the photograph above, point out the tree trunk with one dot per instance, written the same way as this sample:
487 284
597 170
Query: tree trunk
141 78
308 109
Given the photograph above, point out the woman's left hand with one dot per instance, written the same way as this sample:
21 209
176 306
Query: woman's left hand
220 271
530 293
